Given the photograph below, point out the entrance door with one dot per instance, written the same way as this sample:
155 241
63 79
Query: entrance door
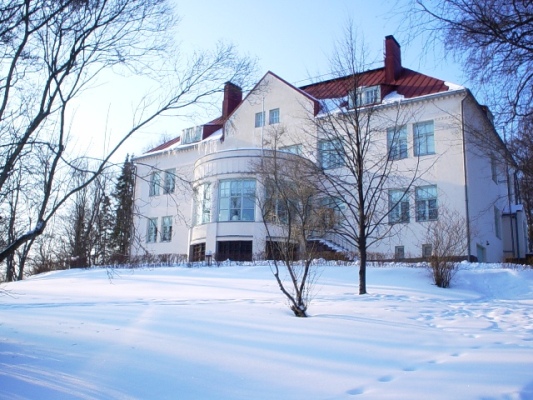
234 250
481 253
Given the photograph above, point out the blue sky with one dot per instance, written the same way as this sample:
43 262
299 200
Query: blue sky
292 38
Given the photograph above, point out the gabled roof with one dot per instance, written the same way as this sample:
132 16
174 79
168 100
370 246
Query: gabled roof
299 90
218 122
409 84
391 78
215 124
165 145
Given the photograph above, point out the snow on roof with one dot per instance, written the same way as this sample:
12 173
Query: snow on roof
393 97
175 145
514 209
454 86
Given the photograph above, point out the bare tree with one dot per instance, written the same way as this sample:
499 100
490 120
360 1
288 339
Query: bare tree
447 237
291 217
521 147
492 39
359 162
89 223
51 51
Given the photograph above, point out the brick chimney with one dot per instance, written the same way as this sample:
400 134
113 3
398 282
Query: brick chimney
232 98
393 60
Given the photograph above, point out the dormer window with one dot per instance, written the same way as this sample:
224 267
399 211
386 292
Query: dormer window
192 135
365 95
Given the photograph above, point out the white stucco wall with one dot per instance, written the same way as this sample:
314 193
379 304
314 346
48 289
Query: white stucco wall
230 157
484 193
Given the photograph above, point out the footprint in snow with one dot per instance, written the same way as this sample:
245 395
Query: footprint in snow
356 391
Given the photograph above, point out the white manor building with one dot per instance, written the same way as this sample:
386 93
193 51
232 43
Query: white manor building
196 194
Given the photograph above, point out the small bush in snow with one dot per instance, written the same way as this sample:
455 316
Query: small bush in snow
447 237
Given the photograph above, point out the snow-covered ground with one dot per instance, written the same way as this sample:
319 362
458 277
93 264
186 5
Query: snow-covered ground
226 333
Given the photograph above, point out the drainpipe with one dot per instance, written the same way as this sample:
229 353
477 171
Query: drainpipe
263 127
512 215
466 179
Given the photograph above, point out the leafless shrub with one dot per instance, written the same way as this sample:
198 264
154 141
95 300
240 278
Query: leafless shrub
448 239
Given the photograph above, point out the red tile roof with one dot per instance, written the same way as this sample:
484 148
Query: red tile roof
410 84
165 145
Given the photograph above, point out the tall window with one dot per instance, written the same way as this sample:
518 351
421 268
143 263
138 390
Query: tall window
237 200
151 233
497 223
259 119
166 229
330 153
273 116
332 211
155 183
170 181
398 206
426 203
397 142
424 138
203 204
276 209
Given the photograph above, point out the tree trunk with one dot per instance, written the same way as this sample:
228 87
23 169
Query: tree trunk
362 268
362 277
299 312
11 248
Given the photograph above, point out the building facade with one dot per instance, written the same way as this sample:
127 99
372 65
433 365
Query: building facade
197 195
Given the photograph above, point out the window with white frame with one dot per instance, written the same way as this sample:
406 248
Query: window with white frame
151 230
330 153
397 142
497 222
273 116
237 200
166 229
203 204
155 183
424 138
426 203
170 181
259 119
398 206
364 96
293 149
192 135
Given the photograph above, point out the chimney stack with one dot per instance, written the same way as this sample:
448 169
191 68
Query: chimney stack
232 98
393 60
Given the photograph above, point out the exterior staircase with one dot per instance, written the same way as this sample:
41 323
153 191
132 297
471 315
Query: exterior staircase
328 250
